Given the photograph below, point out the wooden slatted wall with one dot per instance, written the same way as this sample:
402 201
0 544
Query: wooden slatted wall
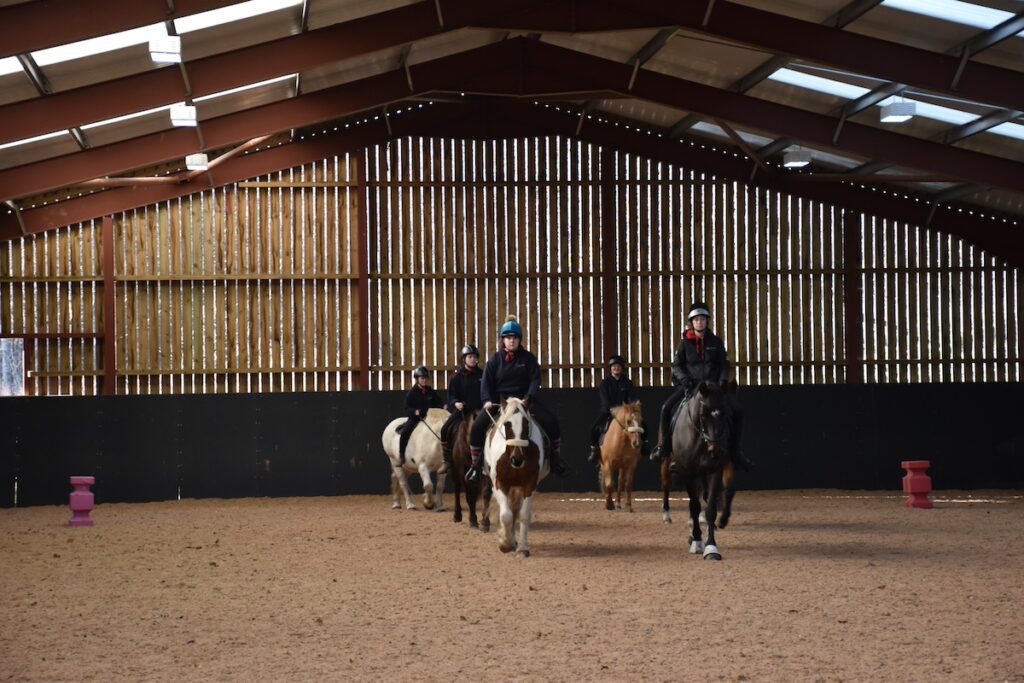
257 286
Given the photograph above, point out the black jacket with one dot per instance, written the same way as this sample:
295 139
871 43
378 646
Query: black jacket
421 401
464 386
615 392
699 360
518 377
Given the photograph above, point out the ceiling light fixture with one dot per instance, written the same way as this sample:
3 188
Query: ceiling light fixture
183 115
165 49
796 157
898 111
197 162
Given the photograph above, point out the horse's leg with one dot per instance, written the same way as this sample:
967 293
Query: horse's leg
606 484
666 489
620 484
403 482
693 491
395 503
442 479
525 515
428 486
488 490
505 515
457 484
629 473
730 490
714 496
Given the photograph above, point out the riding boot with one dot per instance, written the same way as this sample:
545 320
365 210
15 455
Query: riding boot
558 466
446 455
656 453
474 465
595 455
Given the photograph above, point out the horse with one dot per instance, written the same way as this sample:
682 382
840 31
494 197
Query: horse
516 461
700 449
473 489
620 453
423 455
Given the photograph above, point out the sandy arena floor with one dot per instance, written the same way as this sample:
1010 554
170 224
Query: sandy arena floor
818 585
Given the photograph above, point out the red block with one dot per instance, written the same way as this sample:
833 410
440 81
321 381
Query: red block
916 484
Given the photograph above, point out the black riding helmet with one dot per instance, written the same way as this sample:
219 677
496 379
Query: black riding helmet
616 360
468 350
421 371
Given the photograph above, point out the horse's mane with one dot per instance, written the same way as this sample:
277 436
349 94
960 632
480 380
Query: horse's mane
511 406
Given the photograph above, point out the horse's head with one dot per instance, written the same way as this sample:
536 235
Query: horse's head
514 422
631 417
710 414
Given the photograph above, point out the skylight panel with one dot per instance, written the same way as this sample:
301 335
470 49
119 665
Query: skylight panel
958 12
749 138
244 87
99 45
1010 130
818 84
935 112
25 141
9 65
226 15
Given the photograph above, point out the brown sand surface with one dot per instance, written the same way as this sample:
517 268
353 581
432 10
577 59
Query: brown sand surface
815 585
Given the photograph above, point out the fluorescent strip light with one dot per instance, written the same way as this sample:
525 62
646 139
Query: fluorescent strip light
183 115
952 10
898 112
165 49
796 158
37 138
197 162
749 138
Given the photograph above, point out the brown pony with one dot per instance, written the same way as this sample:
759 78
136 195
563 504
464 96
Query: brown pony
620 453
473 489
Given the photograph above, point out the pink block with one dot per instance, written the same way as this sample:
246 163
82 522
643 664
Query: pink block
81 501
916 484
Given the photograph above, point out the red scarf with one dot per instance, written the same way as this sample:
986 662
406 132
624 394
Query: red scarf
424 390
509 356
690 334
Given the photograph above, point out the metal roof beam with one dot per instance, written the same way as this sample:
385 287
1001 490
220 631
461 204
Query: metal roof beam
504 119
994 35
40 24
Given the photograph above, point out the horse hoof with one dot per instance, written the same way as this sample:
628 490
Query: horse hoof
485 527
396 506
629 509
411 508
457 518
609 506
697 547
523 553
666 518
428 507
711 553
440 509
506 548
473 525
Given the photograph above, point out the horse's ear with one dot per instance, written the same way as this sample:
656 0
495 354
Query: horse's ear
731 386
703 389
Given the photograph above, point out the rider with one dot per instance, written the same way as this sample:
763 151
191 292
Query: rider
615 389
512 372
463 396
700 357
418 401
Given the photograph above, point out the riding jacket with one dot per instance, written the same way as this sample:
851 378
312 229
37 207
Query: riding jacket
464 386
614 392
700 359
421 399
514 374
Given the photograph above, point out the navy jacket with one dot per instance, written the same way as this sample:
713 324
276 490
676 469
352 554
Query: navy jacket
421 401
615 392
464 386
700 359
518 377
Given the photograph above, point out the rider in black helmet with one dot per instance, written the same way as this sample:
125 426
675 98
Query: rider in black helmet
700 357
418 401
463 396
513 372
615 389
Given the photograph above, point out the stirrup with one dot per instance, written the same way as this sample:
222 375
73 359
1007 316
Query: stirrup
473 474
595 455
655 453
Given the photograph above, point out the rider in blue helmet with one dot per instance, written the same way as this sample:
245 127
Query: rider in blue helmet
513 372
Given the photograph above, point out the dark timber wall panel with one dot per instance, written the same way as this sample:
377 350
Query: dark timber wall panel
307 444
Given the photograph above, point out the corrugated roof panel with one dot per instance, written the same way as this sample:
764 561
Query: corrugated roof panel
153 122
249 98
703 60
808 10
102 67
330 75
57 145
651 113
619 46
912 29
16 87
327 12
238 34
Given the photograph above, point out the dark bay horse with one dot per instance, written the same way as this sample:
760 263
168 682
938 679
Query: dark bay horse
700 450
473 489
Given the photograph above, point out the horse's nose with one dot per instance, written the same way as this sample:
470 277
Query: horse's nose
517 461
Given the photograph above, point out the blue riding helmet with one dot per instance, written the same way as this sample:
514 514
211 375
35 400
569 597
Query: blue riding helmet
511 327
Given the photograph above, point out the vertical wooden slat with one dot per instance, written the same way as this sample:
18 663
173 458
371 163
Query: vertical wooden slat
109 333
363 259
852 297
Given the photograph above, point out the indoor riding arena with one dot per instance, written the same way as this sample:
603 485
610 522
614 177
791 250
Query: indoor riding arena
231 231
